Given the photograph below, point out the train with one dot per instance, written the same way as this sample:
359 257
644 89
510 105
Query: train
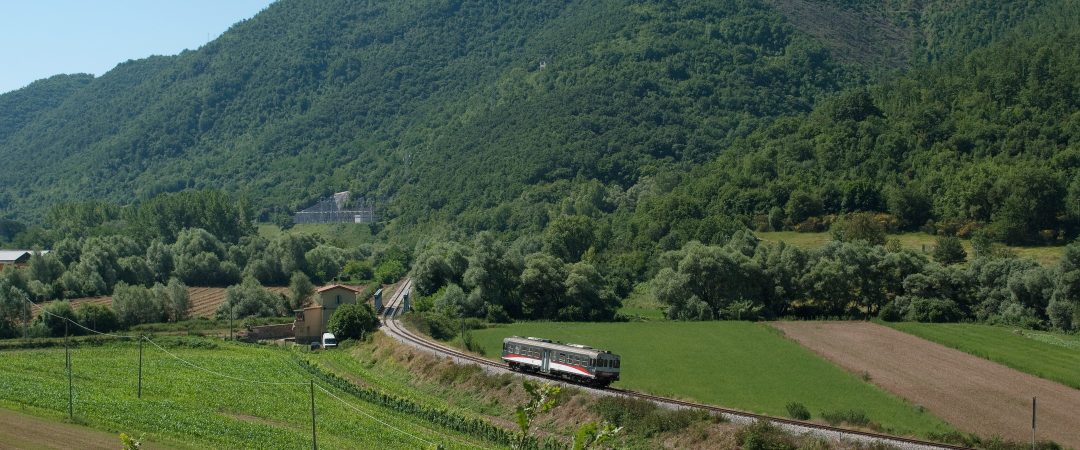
574 362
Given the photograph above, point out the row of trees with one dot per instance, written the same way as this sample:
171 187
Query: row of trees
749 279
486 278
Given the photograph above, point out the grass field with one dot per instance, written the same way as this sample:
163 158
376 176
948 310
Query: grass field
1053 356
184 404
342 235
741 365
1047 255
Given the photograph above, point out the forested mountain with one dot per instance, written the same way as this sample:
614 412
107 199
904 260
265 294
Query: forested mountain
503 116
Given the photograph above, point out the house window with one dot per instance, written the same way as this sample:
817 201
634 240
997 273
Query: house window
339 299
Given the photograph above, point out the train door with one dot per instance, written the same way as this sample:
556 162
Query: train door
545 361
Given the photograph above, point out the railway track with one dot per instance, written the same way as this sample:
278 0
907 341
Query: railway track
395 329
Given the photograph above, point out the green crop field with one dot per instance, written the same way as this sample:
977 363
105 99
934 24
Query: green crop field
1045 255
1053 356
182 404
741 365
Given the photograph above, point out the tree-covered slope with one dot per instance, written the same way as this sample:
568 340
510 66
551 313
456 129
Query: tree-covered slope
310 97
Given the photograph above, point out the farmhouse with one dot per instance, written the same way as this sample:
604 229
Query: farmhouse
311 320
16 258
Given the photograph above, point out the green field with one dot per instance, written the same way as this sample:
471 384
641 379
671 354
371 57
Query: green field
181 404
1053 356
1046 255
342 235
742 365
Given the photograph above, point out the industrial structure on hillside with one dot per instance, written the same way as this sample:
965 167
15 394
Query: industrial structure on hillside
338 208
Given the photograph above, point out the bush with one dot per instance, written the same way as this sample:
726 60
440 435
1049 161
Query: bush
389 271
763 435
644 418
949 250
933 310
798 411
352 321
850 417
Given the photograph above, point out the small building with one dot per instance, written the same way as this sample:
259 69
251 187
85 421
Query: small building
16 258
310 322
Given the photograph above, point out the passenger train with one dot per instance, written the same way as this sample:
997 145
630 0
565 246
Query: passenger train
577 363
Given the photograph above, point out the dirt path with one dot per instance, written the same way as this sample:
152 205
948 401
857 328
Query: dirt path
971 393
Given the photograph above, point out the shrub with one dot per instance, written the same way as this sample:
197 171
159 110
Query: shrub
798 411
850 417
933 310
949 250
644 418
763 435
351 321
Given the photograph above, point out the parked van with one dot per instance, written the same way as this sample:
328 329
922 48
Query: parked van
328 340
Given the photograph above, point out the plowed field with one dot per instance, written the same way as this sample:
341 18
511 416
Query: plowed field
204 300
969 392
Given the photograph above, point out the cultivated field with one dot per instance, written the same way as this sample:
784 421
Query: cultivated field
24 431
184 404
1047 255
740 365
969 392
1053 356
204 300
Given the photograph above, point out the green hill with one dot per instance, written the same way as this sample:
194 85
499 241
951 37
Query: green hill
488 116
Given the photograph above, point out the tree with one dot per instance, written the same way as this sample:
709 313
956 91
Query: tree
325 262
55 316
97 317
176 300
14 309
949 250
250 299
136 304
543 292
568 237
353 321
859 227
300 288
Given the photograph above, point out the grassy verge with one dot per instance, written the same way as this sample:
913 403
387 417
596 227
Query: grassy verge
182 403
735 364
1053 356
922 242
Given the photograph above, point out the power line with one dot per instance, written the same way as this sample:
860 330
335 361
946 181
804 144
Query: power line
214 372
350 405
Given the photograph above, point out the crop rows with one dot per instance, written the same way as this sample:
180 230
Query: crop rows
183 403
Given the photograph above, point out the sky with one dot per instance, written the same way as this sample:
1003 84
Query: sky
41 38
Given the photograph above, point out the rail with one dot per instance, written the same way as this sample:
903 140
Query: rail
393 327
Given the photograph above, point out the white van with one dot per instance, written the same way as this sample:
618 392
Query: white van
328 340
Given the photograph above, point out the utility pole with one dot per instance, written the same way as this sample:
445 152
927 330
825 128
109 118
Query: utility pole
1032 423
140 365
67 358
232 313
314 446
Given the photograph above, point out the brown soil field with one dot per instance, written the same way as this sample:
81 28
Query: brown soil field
204 300
21 431
971 393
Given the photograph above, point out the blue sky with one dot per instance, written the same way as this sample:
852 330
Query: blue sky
41 38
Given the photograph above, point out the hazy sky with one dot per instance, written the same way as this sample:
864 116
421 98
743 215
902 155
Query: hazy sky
41 38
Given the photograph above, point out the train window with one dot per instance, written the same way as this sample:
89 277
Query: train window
616 364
